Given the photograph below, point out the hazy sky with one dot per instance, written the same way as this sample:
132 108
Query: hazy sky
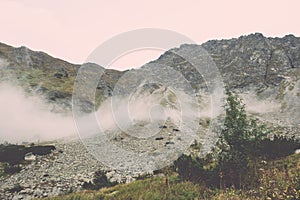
71 29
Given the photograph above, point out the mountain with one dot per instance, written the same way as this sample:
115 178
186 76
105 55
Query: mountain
264 70
39 73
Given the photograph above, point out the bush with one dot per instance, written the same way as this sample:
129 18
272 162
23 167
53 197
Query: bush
234 161
196 170
278 147
8 169
238 143
100 180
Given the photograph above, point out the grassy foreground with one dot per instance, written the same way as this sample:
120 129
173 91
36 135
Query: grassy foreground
279 179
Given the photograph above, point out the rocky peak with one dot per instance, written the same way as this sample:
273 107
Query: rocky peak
265 71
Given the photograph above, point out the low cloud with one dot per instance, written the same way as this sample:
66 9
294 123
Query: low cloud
27 118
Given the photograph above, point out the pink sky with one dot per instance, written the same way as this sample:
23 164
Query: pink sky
71 29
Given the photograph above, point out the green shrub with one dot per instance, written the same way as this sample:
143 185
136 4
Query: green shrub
235 160
8 169
278 147
100 180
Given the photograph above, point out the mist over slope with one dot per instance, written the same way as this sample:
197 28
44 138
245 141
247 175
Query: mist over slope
28 118
265 71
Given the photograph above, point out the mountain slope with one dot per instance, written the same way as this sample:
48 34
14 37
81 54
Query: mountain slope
264 71
257 67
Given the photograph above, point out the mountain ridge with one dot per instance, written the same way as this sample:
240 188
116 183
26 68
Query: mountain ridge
268 67
265 72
